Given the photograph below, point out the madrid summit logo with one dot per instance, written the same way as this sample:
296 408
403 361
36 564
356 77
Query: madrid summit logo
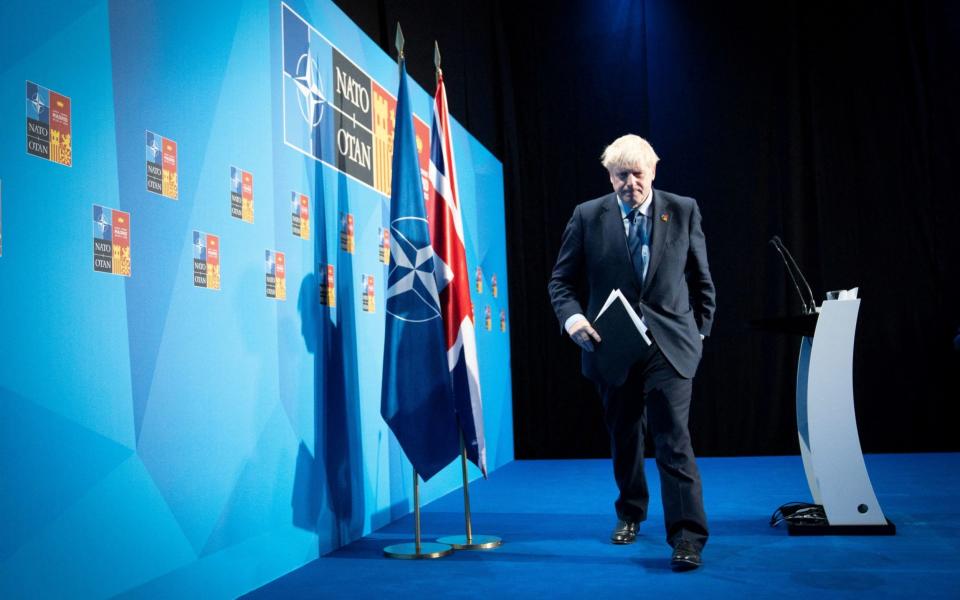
368 301
241 194
300 215
111 241
206 260
328 285
276 275
161 166
383 250
412 293
48 125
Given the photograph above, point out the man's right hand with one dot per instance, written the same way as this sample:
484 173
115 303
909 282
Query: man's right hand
584 335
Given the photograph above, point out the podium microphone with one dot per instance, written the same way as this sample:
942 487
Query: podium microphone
784 253
796 268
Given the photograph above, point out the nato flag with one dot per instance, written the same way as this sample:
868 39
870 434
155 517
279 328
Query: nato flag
417 398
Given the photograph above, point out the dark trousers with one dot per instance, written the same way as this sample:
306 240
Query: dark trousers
655 399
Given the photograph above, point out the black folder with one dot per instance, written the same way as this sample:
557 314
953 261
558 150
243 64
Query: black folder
621 344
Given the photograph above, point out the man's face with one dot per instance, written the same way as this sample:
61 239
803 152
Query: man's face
633 183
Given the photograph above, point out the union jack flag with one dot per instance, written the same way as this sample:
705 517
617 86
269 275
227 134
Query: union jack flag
446 233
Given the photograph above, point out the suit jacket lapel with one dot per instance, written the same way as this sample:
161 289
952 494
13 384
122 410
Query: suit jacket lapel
658 235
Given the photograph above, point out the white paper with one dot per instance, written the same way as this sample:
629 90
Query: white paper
850 294
610 299
641 327
618 295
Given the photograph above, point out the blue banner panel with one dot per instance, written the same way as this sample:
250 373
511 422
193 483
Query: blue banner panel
194 258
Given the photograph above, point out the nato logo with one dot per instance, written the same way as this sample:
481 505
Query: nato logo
307 60
412 286
49 125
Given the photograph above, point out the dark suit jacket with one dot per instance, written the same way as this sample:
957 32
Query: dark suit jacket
677 302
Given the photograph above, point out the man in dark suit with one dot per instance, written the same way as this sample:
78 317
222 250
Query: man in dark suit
650 245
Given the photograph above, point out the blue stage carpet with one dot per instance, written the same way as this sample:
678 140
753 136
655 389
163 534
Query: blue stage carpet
555 518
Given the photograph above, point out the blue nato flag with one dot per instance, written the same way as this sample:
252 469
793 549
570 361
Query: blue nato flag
417 399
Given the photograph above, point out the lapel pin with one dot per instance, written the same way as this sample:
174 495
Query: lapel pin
665 217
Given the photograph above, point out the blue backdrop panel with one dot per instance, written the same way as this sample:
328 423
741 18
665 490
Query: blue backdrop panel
158 438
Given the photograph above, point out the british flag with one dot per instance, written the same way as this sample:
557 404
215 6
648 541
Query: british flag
446 233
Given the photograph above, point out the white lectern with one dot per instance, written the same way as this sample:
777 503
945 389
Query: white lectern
827 426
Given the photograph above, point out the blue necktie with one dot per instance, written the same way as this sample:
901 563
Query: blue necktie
638 242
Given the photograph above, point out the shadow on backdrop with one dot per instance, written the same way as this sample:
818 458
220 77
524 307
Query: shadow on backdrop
328 493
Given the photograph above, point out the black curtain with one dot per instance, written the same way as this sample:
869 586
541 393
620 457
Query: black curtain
835 126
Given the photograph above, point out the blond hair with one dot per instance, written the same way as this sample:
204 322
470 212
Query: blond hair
628 151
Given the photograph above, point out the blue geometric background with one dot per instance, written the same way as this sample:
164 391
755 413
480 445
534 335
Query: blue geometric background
160 439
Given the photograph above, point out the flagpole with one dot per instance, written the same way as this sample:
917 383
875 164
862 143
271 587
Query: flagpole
418 549
469 541
466 491
416 511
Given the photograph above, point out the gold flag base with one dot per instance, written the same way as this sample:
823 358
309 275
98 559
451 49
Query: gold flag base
416 549
476 542
426 550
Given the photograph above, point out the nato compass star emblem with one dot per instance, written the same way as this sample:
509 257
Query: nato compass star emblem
103 226
310 86
412 293
154 149
199 249
38 104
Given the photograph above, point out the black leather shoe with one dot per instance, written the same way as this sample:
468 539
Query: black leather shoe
625 532
685 557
